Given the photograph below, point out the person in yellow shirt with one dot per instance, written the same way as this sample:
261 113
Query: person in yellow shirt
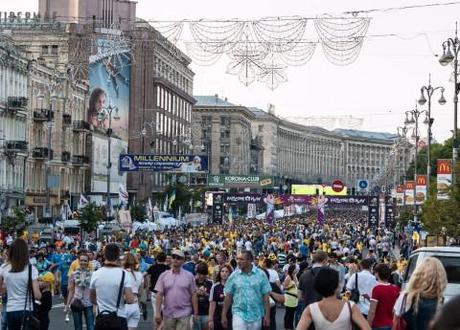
75 265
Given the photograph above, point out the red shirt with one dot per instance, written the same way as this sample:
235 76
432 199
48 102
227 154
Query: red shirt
385 295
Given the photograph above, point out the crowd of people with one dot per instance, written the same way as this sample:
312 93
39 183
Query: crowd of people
238 275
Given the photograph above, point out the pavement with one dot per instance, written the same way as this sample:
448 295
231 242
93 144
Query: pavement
57 317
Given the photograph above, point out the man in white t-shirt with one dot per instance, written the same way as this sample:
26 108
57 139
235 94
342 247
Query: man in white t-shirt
105 284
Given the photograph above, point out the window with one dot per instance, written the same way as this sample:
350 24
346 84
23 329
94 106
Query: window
54 50
45 50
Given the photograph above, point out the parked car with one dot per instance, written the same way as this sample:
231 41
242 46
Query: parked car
450 258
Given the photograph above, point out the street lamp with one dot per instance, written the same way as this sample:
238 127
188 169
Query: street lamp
412 117
104 114
451 49
429 90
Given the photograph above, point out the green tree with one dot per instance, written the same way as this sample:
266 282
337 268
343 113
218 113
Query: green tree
137 212
15 222
90 215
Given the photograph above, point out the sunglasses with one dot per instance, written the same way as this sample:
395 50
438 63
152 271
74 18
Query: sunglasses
175 256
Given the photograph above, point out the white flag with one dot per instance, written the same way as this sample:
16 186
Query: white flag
83 201
149 209
122 195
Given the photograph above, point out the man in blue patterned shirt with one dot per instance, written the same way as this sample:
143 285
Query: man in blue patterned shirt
247 291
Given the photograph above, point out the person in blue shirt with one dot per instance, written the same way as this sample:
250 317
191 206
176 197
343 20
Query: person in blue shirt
247 291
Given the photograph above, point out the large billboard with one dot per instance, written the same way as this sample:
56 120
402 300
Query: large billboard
313 189
99 167
163 163
109 82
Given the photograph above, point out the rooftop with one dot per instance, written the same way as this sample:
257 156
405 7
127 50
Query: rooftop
365 134
211 100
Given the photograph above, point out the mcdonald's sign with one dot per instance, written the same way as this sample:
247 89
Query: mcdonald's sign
409 185
421 180
420 186
444 179
444 166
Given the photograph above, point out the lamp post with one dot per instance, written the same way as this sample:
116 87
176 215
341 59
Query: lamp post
104 114
413 119
429 90
451 49
402 134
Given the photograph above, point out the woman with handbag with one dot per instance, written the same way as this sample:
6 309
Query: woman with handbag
21 281
417 305
291 299
133 314
78 299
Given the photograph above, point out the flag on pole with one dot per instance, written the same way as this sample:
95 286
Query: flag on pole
149 209
165 204
320 207
122 195
82 202
172 198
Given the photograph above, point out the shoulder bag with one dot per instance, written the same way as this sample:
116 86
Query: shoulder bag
29 320
109 320
399 323
353 324
354 294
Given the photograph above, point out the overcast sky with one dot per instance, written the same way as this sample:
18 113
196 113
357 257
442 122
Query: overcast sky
380 86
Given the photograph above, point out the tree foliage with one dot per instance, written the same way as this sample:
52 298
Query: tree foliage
15 222
137 212
90 215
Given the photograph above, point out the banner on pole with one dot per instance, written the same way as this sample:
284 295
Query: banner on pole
373 217
409 192
420 189
400 195
444 179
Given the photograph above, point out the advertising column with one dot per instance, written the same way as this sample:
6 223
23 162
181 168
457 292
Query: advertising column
217 207
373 217
389 212
444 179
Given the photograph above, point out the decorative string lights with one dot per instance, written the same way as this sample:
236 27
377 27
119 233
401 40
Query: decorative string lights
262 50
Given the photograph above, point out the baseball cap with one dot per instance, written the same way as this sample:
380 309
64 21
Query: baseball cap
178 253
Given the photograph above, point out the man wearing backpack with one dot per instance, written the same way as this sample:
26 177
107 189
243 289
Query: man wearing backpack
307 292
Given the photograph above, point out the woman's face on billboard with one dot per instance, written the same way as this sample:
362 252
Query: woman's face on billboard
100 102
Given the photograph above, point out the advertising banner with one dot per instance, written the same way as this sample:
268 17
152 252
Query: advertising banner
313 189
444 179
244 198
99 164
373 216
329 200
164 163
420 189
389 212
409 192
400 195
109 74
252 211
217 207
240 181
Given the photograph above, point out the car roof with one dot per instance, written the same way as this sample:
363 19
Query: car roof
443 249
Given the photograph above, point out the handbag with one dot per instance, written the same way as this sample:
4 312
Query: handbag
354 294
354 326
400 322
108 320
30 321
77 305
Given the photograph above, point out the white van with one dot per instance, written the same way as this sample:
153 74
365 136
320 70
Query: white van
450 258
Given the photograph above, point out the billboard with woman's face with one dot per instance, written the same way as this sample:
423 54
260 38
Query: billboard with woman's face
109 80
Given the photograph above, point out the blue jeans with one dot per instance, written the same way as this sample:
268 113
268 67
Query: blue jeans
14 319
89 318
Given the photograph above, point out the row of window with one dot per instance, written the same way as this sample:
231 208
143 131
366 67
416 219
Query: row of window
174 104
167 71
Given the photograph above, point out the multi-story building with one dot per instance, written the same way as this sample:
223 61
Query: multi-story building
13 120
289 151
222 130
56 126
161 105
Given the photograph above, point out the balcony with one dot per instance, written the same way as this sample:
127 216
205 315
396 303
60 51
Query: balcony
16 103
67 119
65 157
42 153
80 160
41 114
80 126
16 146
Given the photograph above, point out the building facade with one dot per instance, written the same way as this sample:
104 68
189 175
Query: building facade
161 106
56 126
291 152
13 121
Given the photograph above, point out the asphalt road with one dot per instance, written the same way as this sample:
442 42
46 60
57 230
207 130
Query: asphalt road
57 317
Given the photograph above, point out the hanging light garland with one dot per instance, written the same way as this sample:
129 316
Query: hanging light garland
263 49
